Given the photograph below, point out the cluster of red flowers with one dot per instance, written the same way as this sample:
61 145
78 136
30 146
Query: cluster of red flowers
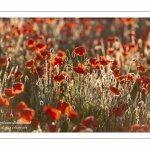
48 64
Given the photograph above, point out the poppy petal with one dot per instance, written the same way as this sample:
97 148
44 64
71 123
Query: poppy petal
52 113
64 107
9 93
80 51
114 91
18 87
89 122
29 64
4 102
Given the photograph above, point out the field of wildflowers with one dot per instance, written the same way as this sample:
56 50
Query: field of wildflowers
74 74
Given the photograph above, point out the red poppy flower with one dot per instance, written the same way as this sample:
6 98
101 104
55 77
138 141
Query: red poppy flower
29 26
145 79
30 43
139 128
129 77
120 78
38 58
80 128
13 27
93 62
52 128
128 21
52 113
64 107
80 51
125 47
111 39
26 115
29 64
87 21
98 28
35 123
18 87
3 61
114 65
45 53
71 25
73 115
33 71
122 81
116 72
18 74
114 91
125 54
148 86
121 129
103 61
50 20
111 51
9 93
117 112
57 61
141 68
61 54
89 122
26 31
124 106
11 114
17 32
40 70
59 77
41 46
4 102
79 69
39 20
133 47
21 106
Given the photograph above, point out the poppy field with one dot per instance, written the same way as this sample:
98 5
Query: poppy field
74 74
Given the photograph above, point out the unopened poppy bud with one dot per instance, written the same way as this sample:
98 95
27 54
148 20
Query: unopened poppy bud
51 50
41 103
9 59
134 59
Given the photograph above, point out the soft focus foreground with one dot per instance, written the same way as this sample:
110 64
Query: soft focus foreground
74 75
